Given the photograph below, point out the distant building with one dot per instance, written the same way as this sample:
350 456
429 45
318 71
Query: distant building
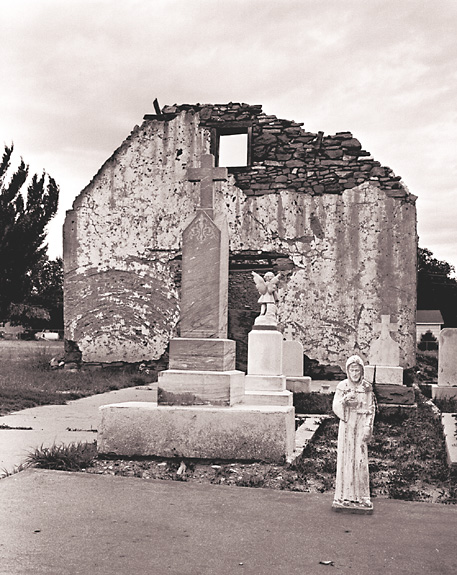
428 320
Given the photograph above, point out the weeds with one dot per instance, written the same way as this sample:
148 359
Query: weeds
72 457
318 403
16 469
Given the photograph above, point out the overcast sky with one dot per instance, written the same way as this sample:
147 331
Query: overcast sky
78 75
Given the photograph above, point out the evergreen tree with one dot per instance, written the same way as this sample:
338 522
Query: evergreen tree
436 288
25 210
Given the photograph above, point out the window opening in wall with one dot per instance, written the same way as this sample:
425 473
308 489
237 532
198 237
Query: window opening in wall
231 144
233 150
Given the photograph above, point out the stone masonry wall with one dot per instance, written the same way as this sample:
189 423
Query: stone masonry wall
345 225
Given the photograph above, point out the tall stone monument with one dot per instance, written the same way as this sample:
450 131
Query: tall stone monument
202 361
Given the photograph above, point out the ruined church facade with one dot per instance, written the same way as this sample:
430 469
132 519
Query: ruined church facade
338 226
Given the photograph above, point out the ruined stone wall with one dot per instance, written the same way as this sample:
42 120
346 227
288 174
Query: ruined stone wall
346 225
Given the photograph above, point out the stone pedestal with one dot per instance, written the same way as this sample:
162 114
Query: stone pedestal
202 372
265 383
353 508
265 433
384 374
202 354
182 387
265 352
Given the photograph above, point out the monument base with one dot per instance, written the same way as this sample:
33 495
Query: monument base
351 507
284 398
183 387
384 374
400 395
234 433
266 390
202 354
443 392
298 384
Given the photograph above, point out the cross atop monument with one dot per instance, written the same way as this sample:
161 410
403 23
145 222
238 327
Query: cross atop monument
385 327
206 174
385 350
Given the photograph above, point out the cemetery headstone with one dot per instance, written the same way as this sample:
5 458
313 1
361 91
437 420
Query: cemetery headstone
293 363
447 364
384 356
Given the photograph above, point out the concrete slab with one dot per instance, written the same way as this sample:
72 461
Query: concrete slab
305 432
260 432
449 422
73 422
56 522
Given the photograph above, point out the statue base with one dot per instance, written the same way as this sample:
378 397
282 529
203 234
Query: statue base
353 507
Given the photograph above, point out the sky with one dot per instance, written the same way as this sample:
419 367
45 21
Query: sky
77 76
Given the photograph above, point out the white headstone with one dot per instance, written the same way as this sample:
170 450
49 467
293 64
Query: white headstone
447 357
384 350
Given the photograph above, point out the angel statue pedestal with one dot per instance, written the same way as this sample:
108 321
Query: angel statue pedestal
265 382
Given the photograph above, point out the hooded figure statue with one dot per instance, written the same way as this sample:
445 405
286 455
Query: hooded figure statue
354 404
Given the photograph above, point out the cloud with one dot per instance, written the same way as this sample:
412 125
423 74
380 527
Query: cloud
78 75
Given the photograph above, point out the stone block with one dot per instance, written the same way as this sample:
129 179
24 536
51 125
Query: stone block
201 354
447 357
449 422
237 433
384 374
389 394
284 398
298 384
292 358
265 383
182 387
443 392
265 352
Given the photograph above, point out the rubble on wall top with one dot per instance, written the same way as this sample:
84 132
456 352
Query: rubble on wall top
294 159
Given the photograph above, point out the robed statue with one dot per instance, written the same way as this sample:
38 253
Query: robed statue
354 405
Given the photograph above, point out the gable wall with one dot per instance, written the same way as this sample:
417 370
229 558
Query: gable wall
352 240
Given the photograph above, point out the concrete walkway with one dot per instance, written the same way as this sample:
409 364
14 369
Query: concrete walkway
63 424
73 422
56 522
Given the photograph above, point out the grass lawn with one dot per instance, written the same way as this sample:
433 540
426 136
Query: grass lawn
26 379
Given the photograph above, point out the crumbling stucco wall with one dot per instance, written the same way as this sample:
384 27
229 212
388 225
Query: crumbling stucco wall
347 223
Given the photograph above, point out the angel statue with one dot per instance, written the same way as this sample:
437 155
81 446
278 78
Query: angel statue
267 288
